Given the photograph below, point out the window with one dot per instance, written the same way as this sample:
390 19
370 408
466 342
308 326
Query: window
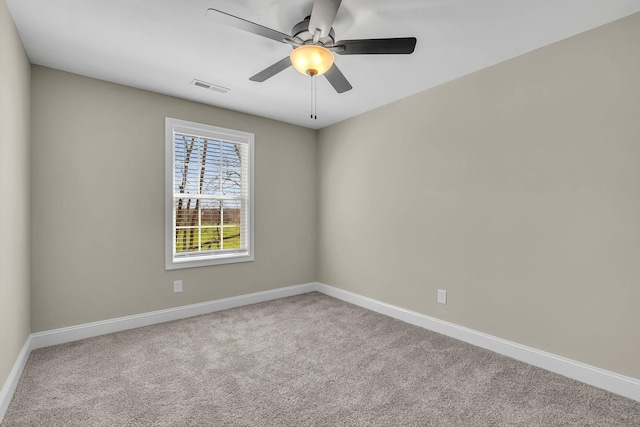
209 204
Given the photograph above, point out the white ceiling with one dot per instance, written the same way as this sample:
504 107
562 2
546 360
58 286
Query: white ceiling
162 45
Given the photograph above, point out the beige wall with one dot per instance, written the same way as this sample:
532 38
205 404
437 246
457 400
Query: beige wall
98 209
14 194
516 189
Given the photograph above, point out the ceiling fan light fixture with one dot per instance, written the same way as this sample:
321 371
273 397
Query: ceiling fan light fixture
312 60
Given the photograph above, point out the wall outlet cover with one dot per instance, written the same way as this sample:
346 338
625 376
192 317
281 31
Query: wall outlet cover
177 286
442 296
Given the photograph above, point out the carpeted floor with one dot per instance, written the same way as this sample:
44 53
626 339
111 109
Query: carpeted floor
308 360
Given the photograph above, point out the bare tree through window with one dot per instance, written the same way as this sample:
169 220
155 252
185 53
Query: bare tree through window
208 176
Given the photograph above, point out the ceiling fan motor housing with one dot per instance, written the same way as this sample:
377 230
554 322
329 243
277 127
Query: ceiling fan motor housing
300 32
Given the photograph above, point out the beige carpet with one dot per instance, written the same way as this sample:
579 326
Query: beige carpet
308 360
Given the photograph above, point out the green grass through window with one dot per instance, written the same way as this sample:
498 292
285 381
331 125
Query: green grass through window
187 239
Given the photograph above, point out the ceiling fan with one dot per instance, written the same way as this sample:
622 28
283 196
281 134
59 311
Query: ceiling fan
313 41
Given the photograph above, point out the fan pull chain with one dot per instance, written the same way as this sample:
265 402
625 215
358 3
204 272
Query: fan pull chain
313 98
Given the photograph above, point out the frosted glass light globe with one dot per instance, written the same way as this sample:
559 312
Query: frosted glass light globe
311 60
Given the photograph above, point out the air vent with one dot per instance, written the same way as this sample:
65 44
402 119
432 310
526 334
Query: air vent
210 86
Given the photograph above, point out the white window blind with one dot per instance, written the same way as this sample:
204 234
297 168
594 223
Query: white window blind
209 206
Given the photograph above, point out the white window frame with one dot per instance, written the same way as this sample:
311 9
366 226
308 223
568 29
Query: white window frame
173 126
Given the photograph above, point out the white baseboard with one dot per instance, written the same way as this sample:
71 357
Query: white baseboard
94 329
9 387
607 380
619 384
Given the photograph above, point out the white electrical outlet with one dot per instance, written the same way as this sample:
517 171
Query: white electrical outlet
177 286
442 296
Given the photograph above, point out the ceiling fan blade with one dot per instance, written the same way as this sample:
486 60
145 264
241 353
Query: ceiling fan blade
322 16
337 79
242 24
404 45
271 71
